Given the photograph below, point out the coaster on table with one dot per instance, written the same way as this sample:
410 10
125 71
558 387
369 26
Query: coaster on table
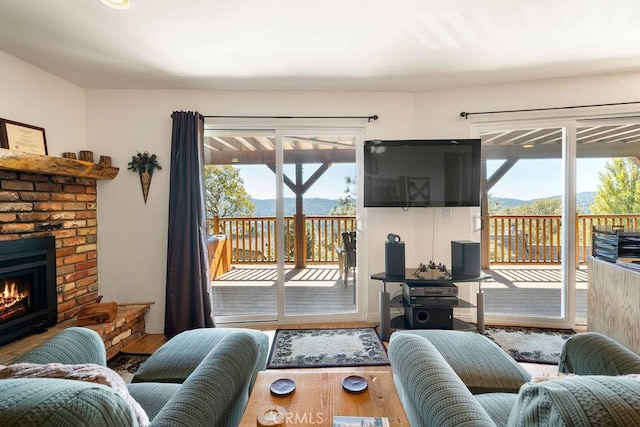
354 384
283 387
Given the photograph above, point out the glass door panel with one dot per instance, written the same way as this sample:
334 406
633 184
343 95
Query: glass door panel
277 207
319 206
522 232
606 189
240 201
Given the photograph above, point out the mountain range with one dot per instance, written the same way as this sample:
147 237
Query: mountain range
312 206
584 200
319 206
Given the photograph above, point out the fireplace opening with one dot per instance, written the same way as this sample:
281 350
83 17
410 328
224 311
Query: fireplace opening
28 301
15 298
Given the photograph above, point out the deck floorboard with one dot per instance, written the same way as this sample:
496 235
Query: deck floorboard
530 291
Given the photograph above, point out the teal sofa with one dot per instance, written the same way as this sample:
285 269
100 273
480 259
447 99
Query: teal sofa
454 378
201 377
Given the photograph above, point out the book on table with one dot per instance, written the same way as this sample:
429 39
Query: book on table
345 421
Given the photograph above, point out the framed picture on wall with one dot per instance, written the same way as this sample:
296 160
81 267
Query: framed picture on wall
22 137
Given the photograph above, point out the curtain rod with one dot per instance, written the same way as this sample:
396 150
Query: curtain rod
369 118
465 115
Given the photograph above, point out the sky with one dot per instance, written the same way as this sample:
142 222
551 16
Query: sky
260 182
538 178
528 179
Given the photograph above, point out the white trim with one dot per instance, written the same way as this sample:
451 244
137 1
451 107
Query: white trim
568 255
623 112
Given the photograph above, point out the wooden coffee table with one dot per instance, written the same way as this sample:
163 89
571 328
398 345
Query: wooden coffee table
319 396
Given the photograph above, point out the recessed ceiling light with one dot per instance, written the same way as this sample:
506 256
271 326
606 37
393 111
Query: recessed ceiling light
118 4
527 145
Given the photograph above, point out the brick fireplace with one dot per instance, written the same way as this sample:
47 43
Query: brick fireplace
33 205
50 196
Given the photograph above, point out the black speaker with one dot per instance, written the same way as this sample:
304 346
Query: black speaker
393 238
429 317
394 259
465 259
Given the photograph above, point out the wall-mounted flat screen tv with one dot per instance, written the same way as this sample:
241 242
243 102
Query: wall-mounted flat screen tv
422 173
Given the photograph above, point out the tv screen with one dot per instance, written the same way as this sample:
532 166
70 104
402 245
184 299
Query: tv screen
422 173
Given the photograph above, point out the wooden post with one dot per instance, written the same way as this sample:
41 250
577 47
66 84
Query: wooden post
300 219
578 240
300 240
216 225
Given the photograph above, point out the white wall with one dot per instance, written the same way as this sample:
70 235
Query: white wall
35 97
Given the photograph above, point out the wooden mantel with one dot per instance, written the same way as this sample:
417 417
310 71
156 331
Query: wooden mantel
35 163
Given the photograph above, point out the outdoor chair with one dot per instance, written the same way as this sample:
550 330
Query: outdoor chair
349 245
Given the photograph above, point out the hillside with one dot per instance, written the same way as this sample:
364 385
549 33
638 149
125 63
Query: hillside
318 206
312 206
583 201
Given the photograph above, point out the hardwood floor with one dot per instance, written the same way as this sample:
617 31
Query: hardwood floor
145 345
150 343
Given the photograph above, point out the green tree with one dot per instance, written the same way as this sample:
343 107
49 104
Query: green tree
548 206
619 188
225 195
494 206
347 203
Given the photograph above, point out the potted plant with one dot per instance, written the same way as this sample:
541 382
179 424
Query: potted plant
144 164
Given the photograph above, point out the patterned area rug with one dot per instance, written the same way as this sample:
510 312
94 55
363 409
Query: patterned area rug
533 345
315 348
126 365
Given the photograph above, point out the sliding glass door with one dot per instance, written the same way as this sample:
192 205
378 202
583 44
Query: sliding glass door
546 186
278 202
607 195
522 227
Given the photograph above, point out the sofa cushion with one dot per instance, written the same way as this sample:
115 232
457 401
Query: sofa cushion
181 355
42 402
578 400
498 405
481 365
83 372
591 353
153 396
431 393
217 391
70 346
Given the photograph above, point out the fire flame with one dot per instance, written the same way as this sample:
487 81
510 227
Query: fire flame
11 295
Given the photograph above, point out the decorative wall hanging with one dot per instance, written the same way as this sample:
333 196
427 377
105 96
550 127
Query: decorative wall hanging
144 164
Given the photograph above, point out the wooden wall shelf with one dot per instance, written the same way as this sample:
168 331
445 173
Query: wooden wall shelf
34 163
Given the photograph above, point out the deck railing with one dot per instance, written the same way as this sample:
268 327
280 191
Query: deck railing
515 239
253 240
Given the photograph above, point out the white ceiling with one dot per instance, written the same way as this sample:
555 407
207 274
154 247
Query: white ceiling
387 45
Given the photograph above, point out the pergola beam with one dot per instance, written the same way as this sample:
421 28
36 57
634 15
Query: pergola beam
261 157
554 151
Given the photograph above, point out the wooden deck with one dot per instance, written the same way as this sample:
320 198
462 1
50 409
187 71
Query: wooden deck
250 289
312 290
533 291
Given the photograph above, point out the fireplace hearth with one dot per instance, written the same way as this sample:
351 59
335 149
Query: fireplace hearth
28 301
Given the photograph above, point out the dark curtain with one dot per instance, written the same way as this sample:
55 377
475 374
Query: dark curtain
188 303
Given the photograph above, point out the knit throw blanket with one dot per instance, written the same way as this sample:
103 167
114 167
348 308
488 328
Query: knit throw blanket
83 372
